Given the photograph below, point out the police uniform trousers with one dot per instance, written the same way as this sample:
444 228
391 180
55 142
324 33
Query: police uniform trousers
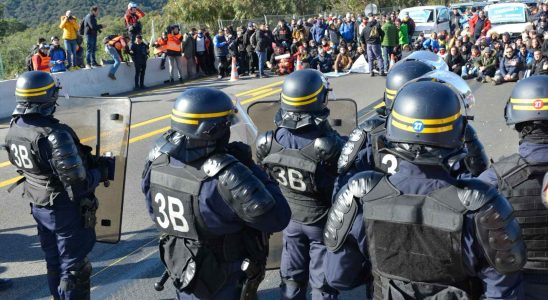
232 287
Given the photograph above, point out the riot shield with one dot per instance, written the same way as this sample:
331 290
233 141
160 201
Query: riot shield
455 81
242 128
113 115
343 116
428 58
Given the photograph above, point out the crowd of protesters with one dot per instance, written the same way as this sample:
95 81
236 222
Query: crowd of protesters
328 43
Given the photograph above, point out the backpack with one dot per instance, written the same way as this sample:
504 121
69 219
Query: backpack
82 28
28 59
374 32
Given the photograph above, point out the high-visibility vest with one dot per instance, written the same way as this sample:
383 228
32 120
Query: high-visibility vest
162 46
41 63
118 42
174 42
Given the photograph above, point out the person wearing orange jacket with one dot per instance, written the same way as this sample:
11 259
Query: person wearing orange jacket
173 52
479 25
70 27
41 60
160 48
133 25
120 43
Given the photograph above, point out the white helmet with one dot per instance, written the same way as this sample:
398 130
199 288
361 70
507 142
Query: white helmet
132 5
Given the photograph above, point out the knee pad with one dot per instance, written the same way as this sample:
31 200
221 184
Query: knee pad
79 281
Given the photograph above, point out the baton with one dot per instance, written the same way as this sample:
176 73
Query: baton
159 286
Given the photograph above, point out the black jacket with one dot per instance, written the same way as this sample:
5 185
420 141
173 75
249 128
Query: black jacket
366 37
139 52
91 26
262 40
537 67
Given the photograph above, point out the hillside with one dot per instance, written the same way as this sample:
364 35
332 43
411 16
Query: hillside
35 12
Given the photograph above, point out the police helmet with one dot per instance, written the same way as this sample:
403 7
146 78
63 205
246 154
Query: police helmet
430 118
529 101
35 93
400 74
429 58
303 100
203 114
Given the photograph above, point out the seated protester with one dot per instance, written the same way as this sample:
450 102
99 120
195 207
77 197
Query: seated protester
303 55
417 45
544 46
539 65
41 60
432 43
160 49
487 65
505 40
57 55
466 42
406 51
325 45
343 62
498 50
294 48
454 60
333 49
471 66
272 64
285 65
442 53
525 55
465 53
312 48
509 67
535 44
322 62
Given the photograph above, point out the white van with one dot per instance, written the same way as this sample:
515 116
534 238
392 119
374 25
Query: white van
510 17
428 19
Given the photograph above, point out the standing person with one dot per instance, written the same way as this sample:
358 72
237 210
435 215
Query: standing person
333 34
282 34
301 154
427 233
110 48
173 53
403 33
131 19
250 48
347 29
62 198
372 36
91 29
139 54
57 55
519 177
202 46
318 30
230 205
479 25
41 60
261 40
389 42
189 53
70 27
160 49
455 23
410 25
221 52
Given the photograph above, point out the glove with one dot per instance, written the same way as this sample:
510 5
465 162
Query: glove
106 166
242 152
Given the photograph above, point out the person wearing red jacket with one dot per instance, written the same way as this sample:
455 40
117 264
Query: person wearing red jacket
479 25
133 25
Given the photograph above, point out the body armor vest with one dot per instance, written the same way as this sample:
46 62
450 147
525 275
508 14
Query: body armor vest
521 183
295 171
415 238
40 183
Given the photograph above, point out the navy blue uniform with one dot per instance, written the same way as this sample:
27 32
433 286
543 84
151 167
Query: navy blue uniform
536 284
63 238
421 180
221 219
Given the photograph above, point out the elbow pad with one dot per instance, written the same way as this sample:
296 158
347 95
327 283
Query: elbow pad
263 145
65 158
477 160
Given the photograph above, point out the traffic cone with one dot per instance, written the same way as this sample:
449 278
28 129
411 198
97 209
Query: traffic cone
299 63
234 73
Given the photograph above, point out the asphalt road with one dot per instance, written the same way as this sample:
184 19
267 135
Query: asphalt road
128 270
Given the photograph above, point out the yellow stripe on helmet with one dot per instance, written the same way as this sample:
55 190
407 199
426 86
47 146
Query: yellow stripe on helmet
389 91
409 128
184 121
21 94
303 98
527 101
426 121
390 97
299 103
47 87
202 116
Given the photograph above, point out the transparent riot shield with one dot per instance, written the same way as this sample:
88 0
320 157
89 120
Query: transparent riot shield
343 116
455 81
242 128
113 115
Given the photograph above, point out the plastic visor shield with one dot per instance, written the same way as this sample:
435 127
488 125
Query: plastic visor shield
242 128
456 82
343 118
428 58
80 113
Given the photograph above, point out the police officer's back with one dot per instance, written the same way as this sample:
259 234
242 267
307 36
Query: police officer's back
59 179
428 234
209 199
519 177
301 154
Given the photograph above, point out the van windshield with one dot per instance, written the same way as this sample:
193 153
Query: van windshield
420 15
507 14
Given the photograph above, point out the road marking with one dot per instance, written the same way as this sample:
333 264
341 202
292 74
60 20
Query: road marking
264 95
5 164
147 135
153 120
10 181
259 88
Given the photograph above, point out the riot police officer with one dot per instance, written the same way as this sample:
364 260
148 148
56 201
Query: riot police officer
301 154
59 177
429 235
210 201
519 177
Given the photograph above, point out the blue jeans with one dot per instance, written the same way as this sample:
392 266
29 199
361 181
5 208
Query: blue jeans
386 52
70 46
91 42
472 71
262 60
117 60
374 52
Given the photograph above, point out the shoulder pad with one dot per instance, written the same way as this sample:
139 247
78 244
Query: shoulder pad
327 147
216 163
372 123
158 148
244 192
499 235
343 212
474 193
263 144
350 150
65 157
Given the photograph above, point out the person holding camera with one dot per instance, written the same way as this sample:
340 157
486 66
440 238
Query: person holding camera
133 25
70 27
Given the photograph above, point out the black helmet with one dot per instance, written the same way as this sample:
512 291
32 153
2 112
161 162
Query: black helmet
400 74
303 100
202 114
429 120
35 93
529 101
